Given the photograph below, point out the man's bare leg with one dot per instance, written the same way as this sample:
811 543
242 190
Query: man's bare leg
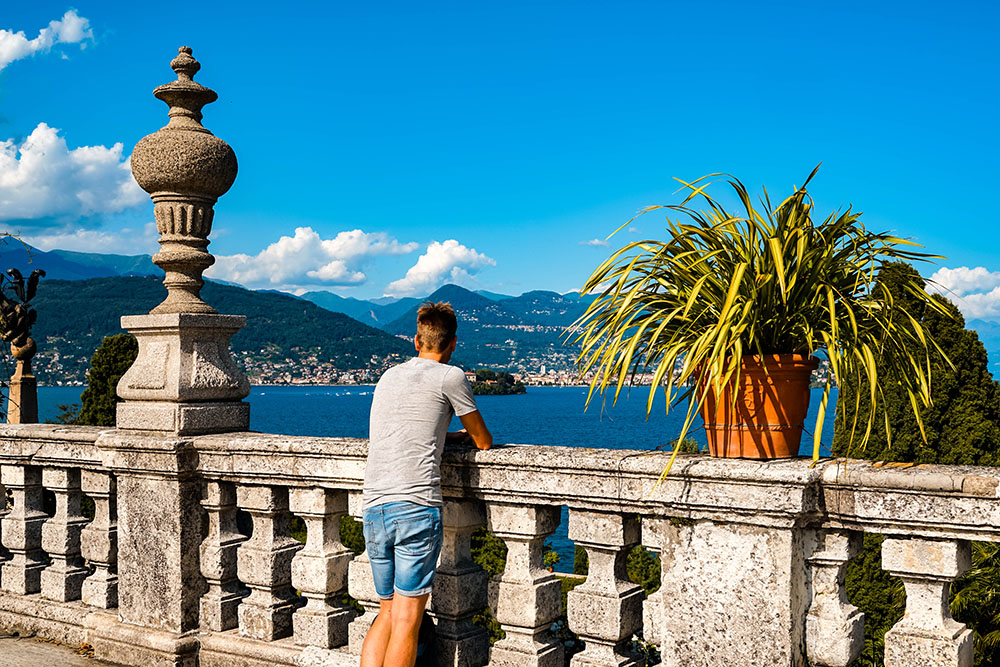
377 639
406 616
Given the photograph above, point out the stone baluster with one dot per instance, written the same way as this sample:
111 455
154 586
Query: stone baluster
460 589
927 634
319 571
4 554
529 596
99 541
835 629
22 530
265 564
63 579
653 533
218 607
606 610
361 587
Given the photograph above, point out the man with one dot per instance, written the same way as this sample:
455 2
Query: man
411 409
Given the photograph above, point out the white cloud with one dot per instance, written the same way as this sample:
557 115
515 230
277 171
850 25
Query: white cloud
125 241
964 280
443 262
595 242
292 262
43 178
70 29
983 306
976 291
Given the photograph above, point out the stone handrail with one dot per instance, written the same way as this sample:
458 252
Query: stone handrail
167 573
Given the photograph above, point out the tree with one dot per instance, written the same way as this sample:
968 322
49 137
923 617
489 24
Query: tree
963 423
113 357
962 427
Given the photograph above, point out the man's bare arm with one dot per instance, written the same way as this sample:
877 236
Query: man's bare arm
476 428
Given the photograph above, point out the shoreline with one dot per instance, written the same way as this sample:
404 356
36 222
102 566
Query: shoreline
324 384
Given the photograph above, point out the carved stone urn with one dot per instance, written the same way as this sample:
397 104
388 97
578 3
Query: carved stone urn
184 379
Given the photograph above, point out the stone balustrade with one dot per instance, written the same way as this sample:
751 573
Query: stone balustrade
752 554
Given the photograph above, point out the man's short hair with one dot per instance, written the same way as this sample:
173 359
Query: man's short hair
436 326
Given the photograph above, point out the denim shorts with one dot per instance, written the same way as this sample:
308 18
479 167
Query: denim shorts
403 541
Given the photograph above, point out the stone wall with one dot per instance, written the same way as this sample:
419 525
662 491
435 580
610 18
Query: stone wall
753 554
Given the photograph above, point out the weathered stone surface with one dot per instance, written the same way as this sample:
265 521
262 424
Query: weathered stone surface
185 169
99 541
319 570
218 607
22 395
183 357
265 564
184 418
529 596
927 634
605 611
137 646
159 579
835 629
229 649
360 586
28 615
766 511
22 530
313 656
459 588
63 579
184 380
733 594
653 532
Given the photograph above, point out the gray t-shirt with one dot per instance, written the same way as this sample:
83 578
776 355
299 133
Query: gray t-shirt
411 410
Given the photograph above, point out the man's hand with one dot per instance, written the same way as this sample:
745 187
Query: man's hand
458 438
475 427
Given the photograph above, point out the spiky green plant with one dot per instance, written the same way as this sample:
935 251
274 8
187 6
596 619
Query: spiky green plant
760 281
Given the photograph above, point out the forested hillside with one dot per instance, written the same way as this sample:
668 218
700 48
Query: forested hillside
74 316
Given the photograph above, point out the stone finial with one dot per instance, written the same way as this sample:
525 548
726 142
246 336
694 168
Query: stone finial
185 169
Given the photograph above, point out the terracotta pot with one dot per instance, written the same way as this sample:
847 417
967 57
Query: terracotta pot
765 422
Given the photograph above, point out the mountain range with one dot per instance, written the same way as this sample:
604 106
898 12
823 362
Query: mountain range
70 265
284 335
84 294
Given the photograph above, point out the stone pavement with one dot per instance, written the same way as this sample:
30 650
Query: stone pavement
31 652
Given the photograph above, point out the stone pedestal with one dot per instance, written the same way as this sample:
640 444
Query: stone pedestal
731 595
927 634
184 380
22 402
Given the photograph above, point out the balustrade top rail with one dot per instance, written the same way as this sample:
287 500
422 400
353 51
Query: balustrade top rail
920 500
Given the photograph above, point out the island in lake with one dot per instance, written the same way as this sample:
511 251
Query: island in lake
495 383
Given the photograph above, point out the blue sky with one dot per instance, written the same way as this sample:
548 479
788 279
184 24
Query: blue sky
398 146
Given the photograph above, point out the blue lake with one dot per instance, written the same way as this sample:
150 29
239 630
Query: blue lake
543 416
